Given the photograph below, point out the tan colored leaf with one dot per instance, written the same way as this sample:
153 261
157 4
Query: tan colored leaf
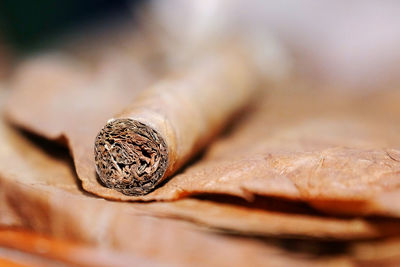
41 192
337 152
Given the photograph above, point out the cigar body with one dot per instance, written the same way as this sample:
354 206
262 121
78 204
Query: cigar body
172 121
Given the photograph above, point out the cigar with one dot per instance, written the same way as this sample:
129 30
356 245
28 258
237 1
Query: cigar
173 120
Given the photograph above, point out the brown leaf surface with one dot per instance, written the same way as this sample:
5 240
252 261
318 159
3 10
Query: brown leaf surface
377 253
33 168
41 193
337 152
35 249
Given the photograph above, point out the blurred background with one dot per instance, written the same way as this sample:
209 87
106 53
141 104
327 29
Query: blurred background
347 45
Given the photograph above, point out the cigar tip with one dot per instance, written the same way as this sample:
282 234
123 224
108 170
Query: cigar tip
130 156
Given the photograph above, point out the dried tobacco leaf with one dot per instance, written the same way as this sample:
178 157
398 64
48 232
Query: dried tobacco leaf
40 189
335 151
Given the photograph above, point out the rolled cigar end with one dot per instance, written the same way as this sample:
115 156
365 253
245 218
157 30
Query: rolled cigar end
130 156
